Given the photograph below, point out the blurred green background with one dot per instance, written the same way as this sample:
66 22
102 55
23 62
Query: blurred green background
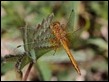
90 49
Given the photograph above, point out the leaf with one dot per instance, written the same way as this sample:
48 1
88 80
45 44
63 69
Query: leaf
71 11
98 42
37 37
42 50
33 55
26 59
10 58
61 56
44 71
7 66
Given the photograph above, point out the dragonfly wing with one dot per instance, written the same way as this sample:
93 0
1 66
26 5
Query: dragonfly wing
71 23
73 32
74 38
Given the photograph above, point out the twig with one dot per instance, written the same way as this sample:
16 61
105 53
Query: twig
27 72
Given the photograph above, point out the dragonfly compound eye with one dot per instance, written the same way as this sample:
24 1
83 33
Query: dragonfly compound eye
56 23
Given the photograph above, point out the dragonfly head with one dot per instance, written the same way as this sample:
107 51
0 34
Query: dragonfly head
55 25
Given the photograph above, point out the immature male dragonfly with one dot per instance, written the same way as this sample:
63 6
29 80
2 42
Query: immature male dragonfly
60 35
48 34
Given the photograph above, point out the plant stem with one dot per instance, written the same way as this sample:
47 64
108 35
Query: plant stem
27 72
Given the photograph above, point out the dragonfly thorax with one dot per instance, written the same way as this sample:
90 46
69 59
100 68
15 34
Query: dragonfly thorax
58 30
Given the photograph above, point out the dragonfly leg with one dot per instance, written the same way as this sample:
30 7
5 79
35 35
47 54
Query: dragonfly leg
54 51
55 43
63 26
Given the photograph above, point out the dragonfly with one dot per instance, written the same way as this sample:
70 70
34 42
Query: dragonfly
60 35
45 37
50 34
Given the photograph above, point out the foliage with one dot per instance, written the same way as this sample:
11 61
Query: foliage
89 48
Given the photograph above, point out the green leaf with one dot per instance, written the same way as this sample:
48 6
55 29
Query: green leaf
61 56
10 58
99 42
33 55
7 66
44 71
